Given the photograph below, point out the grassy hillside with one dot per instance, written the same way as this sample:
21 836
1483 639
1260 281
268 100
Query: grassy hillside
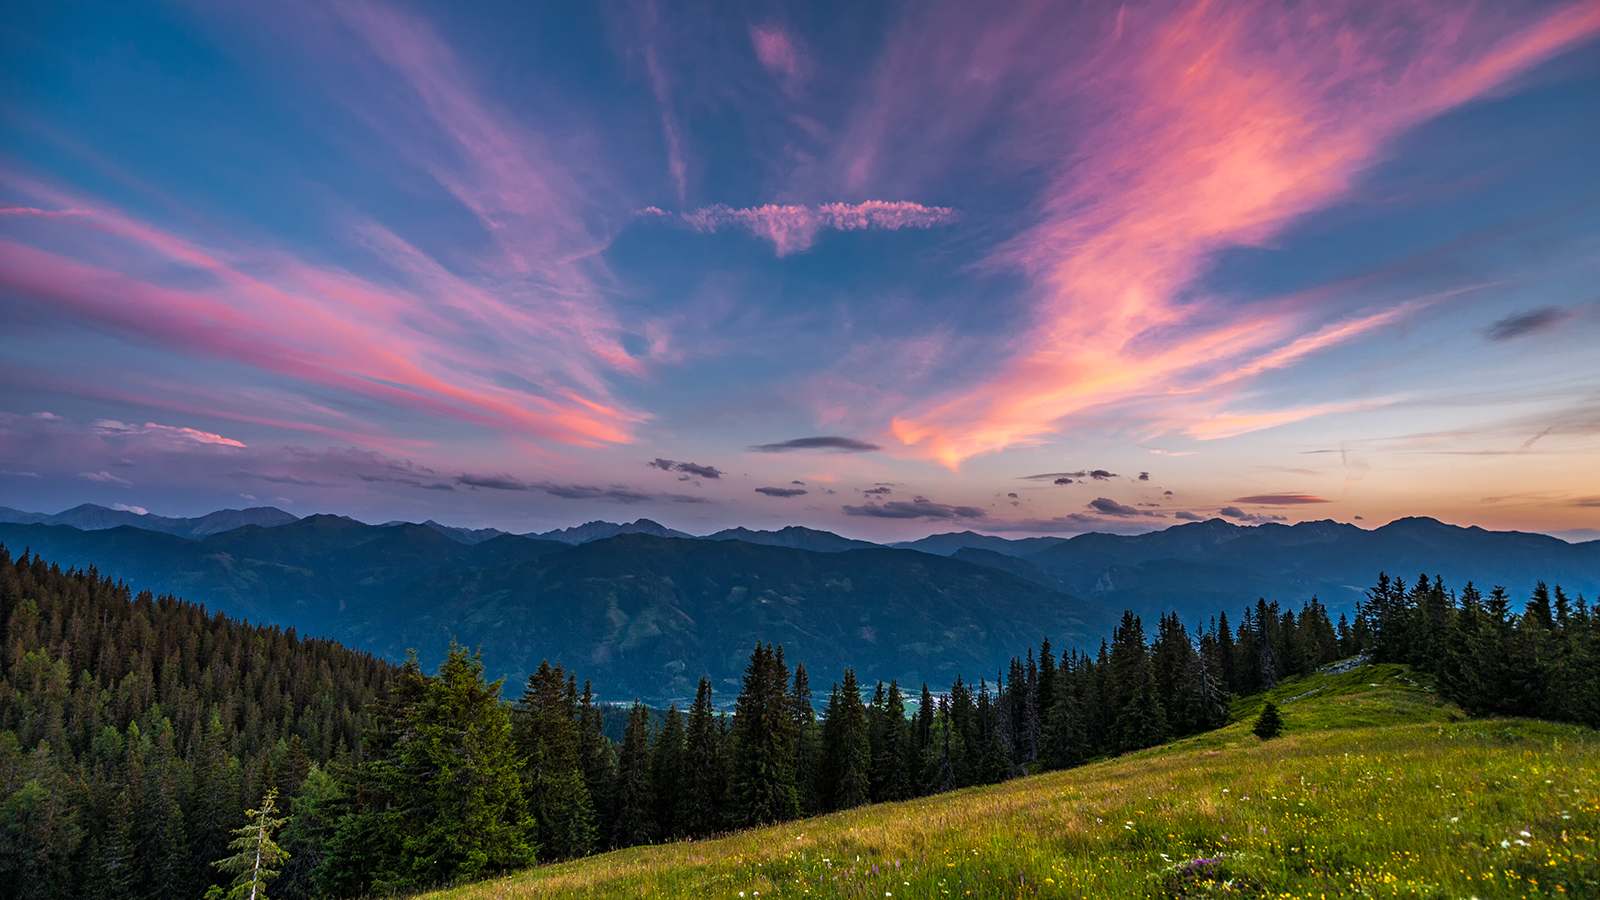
1376 788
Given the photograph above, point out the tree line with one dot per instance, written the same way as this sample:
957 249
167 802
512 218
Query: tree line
454 784
138 734
1487 657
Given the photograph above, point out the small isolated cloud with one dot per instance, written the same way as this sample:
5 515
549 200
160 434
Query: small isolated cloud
1186 516
688 468
879 491
104 477
47 416
1234 512
781 491
792 228
1279 499
1109 507
18 473
916 508
1144 476
1063 480
1586 502
779 54
1525 323
831 443
1101 475
613 493
130 508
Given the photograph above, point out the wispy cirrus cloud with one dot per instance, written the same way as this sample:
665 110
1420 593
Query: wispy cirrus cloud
792 228
413 336
1214 127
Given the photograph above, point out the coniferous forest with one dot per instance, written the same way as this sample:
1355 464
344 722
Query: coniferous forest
137 734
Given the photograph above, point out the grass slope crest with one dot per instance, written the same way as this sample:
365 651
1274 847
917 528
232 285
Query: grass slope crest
1375 787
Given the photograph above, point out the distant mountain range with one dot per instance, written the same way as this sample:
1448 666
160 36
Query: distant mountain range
644 609
641 615
92 517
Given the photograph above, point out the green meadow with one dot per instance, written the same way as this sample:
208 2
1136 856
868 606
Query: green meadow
1376 788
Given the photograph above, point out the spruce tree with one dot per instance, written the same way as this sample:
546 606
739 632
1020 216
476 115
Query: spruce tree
667 774
808 743
891 777
764 743
634 819
257 859
461 811
546 729
1269 724
846 747
309 833
598 760
702 803
1065 737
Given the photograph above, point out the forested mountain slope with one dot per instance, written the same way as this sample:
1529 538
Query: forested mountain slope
136 730
643 616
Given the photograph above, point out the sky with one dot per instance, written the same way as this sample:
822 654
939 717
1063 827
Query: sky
881 268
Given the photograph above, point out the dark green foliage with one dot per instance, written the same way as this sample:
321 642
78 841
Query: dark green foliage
807 743
598 759
257 858
461 808
142 728
667 773
549 742
846 774
1488 658
312 818
892 752
634 819
125 759
764 743
702 808
1269 724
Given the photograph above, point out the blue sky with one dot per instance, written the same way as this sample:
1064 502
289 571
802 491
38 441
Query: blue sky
516 266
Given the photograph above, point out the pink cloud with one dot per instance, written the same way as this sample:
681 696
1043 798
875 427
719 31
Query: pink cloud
778 54
301 329
1211 128
792 227
521 340
534 200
